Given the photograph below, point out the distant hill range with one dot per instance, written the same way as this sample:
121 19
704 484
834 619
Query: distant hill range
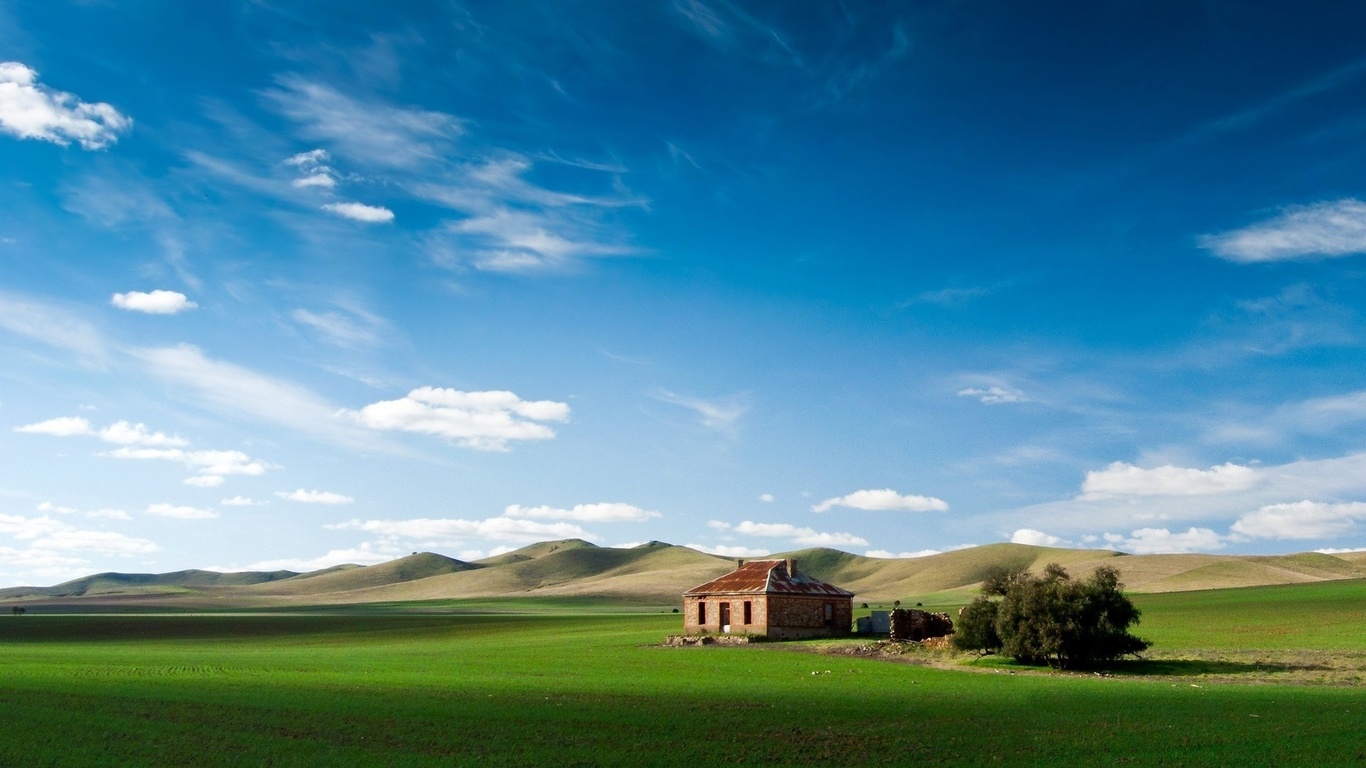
656 573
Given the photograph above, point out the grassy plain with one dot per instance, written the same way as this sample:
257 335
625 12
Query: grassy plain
537 684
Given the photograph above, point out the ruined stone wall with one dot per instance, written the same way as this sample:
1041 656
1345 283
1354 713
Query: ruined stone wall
910 625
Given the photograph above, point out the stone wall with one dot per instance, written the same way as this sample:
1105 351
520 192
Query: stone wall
758 623
776 616
910 625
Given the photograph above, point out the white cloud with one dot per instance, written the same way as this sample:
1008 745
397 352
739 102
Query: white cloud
449 529
1035 538
802 536
1322 230
370 214
1148 541
315 497
94 514
62 426
180 512
889 555
314 169
479 554
363 555
994 395
1340 551
1122 479
119 433
310 159
1301 520
729 551
46 533
126 433
882 500
589 513
32 111
767 498
242 501
1194 497
481 420
720 415
315 180
208 465
154 303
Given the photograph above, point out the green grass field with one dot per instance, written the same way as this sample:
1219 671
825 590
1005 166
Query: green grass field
542 685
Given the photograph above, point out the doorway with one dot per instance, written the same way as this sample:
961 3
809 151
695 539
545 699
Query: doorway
725 617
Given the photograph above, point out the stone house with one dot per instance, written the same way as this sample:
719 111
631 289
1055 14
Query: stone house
768 598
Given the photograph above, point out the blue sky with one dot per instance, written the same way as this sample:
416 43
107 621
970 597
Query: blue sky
289 284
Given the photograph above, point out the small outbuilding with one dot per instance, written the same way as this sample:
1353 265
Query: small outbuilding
768 598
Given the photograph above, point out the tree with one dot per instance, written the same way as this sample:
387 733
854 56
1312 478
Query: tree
1052 619
998 578
976 628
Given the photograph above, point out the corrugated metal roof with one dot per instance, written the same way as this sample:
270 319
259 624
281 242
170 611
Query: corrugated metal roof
773 577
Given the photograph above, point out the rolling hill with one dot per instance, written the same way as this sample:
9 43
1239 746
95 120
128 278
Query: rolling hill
656 573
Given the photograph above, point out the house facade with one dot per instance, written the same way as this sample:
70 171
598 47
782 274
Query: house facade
768 598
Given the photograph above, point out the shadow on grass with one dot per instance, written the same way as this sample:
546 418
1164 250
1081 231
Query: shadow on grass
1202 667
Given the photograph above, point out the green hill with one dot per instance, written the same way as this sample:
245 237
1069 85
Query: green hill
132 583
658 573
423 565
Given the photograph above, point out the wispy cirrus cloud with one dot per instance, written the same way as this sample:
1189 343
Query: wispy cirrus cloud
505 221
365 131
1329 229
347 324
236 389
52 326
721 414
994 395
30 110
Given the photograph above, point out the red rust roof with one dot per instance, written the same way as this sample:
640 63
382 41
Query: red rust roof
773 577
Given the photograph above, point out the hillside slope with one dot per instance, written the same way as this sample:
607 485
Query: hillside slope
658 573
144 583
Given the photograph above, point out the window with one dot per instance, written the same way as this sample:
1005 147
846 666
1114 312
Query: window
701 613
829 614
749 612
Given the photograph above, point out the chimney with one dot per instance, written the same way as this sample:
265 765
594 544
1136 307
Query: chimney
791 568
739 563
